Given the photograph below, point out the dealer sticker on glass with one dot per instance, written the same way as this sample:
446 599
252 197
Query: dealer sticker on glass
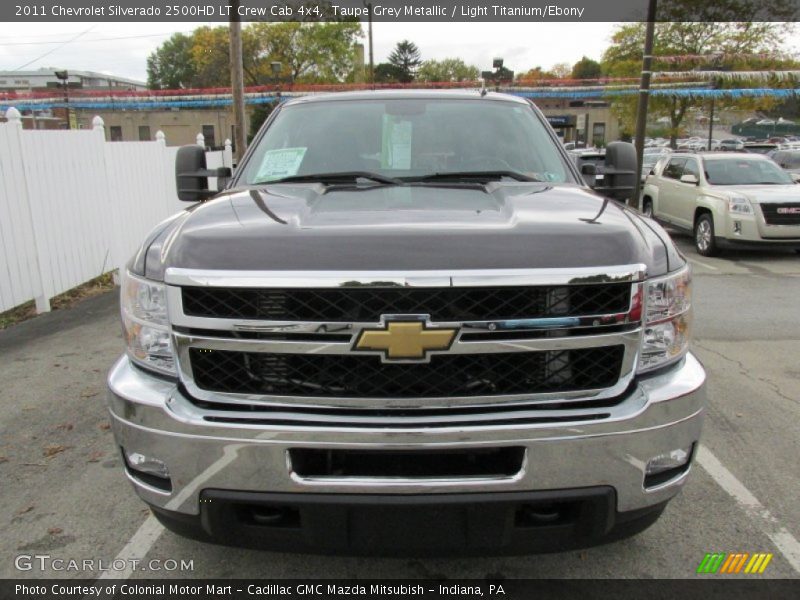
281 163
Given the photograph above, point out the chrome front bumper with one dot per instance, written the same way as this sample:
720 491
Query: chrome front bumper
660 413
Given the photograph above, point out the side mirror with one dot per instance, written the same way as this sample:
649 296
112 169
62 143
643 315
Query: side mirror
620 171
191 174
689 178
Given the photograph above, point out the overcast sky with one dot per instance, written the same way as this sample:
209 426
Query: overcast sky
122 48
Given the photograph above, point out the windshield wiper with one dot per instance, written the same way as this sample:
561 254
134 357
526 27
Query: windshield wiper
484 175
345 176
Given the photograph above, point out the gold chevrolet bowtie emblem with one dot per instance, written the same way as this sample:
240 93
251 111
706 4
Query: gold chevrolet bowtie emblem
405 340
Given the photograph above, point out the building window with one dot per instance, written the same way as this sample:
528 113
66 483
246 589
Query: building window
144 133
208 134
599 135
115 133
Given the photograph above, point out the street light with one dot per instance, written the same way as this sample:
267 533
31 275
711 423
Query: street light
275 67
63 76
497 75
713 85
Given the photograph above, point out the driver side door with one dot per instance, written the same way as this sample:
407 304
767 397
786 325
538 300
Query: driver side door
685 197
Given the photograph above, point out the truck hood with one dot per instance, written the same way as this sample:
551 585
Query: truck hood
504 226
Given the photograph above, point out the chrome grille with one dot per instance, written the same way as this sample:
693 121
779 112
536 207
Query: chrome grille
537 346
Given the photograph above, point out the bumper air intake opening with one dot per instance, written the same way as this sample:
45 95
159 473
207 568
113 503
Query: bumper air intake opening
478 462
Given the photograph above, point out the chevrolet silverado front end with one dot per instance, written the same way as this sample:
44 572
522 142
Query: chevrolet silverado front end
374 357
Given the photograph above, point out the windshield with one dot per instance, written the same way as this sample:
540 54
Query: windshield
650 159
743 171
405 139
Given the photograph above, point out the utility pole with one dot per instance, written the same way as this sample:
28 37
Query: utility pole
368 5
237 81
644 96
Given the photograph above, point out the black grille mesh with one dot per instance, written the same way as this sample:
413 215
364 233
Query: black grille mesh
443 304
366 377
774 214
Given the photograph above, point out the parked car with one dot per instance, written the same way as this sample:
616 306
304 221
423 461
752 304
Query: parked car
725 199
789 161
760 147
731 145
394 333
650 158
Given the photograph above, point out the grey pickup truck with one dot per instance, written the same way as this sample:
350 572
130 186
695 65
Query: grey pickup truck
407 325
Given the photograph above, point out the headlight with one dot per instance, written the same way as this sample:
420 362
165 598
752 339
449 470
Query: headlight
145 323
739 205
668 320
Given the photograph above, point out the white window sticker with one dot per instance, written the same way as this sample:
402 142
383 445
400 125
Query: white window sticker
396 150
280 163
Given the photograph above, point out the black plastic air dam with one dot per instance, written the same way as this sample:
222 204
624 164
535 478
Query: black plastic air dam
483 524
473 462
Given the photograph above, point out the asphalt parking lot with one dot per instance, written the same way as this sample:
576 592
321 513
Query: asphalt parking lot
64 493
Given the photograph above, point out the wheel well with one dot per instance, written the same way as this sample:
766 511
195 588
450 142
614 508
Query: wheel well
702 211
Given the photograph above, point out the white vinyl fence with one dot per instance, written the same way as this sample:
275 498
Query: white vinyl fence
73 206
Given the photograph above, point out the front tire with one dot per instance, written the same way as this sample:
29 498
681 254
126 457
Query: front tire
647 208
704 241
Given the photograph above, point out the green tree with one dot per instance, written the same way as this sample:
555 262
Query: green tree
586 68
406 57
211 56
308 52
447 69
535 74
388 73
723 28
170 66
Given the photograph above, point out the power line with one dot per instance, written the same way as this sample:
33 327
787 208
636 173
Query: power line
30 62
124 37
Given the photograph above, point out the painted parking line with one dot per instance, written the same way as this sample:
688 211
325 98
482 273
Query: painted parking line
700 263
136 549
784 541
148 533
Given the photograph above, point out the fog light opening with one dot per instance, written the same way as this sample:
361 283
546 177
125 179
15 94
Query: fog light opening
268 516
148 470
667 466
543 515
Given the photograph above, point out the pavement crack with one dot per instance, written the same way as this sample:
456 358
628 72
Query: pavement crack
747 372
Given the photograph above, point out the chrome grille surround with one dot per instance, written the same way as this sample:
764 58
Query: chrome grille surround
600 330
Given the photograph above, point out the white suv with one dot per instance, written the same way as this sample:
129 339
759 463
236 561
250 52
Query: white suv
725 199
